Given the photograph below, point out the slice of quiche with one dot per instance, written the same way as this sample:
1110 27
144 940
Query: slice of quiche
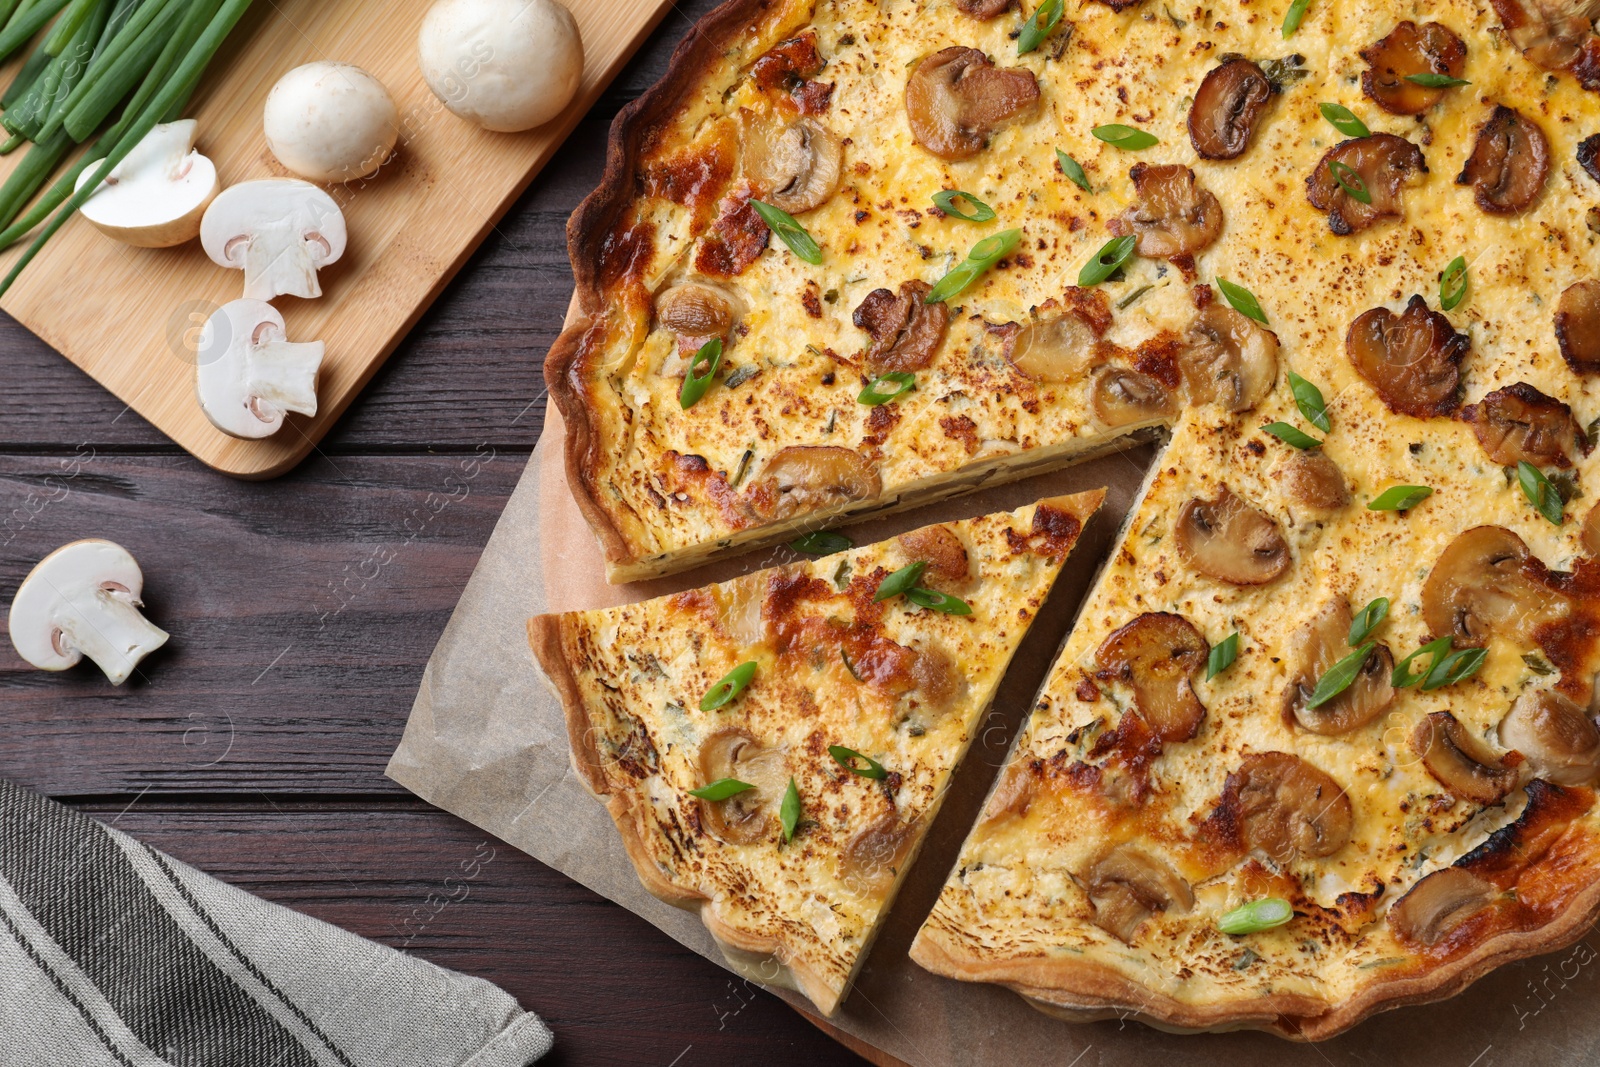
774 748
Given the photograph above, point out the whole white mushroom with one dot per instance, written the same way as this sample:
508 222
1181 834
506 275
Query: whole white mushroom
507 65
330 122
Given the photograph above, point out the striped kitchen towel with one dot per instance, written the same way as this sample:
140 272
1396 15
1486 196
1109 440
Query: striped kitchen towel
115 955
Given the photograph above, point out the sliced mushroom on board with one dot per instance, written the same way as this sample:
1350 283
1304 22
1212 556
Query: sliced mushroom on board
1317 646
1412 359
1577 325
248 375
1158 655
1556 737
1228 359
83 600
956 99
1383 163
1439 903
1128 885
1509 163
1411 49
1227 539
1228 107
1174 216
279 231
805 478
1521 424
1287 808
906 330
748 817
1485 583
1459 762
795 166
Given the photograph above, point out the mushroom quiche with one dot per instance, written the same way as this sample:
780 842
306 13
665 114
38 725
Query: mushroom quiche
774 748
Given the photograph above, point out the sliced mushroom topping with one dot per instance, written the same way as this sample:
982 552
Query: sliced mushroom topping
1411 49
875 855
1322 642
794 166
1412 359
748 817
1383 163
1590 535
1230 541
1287 808
1555 736
1554 34
1509 163
1057 348
1519 423
1459 762
738 608
1121 397
1438 904
942 550
804 478
693 309
1128 885
1228 359
1157 655
1589 155
956 98
1578 326
1311 479
906 331
1226 108
1484 583
984 9
1173 217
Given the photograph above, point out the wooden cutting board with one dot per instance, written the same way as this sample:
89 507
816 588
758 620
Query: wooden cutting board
130 317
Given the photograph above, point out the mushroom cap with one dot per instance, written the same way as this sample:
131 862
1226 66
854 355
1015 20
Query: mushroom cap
1509 163
957 97
1230 101
1438 904
1158 655
1577 324
1383 162
1228 358
1128 885
1556 736
247 375
1411 49
1459 762
1122 397
747 817
1320 643
1286 807
906 330
1487 582
55 593
157 195
1173 217
794 166
1059 347
507 65
330 122
804 478
1413 359
1227 539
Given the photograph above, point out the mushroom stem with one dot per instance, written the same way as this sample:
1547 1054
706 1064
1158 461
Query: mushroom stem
283 374
276 262
104 624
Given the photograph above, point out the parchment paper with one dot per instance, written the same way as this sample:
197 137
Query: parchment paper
486 741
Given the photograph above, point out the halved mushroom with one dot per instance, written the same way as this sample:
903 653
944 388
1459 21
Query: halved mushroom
1459 762
156 196
1128 885
1509 163
1555 34
1413 359
1056 348
1319 644
1555 736
942 550
1226 108
1519 423
1383 165
279 231
956 98
1157 655
1438 904
1173 217
1228 359
1486 582
1121 397
1578 326
748 817
1287 808
1411 49
906 330
802 478
875 855
697 310
1230 541
795 166
248 375
1313 480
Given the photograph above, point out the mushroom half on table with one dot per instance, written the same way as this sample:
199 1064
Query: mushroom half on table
83 600
249 375
156 196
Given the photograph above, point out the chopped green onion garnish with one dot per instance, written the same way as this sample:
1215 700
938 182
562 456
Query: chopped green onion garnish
1453 284
707 359
1367 620
789 232
1430 80
1223 653
848 757
1242 300
1400 498
1457 666
1127 138
1349 181
1106 262
1044 19
1291 436
789 811
721 789
1540 493
1403 676
934 600
732 685
1344 120
821 543
1294 16
1256 916
985 254
1308 398
945 201
1339 677
901 580
887 387
1074 172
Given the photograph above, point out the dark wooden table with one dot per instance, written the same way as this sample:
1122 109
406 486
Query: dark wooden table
302 611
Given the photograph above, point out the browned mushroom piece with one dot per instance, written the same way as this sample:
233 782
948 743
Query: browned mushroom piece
957 98
1382 163
803 478
1228 359
1229 103
1412 359
697 310
1122 397
906 330
1128 885
1590 536
795 165
1519 423
1054 348
875 855
1230 541
1509 163
1484 583
1578 326
1157 655
1311 479
1319 644
1459 762
1555 35
984 9
748 817
1438 904
942 550
1287 808
1556 737
1589 155
1411 49
1174 217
